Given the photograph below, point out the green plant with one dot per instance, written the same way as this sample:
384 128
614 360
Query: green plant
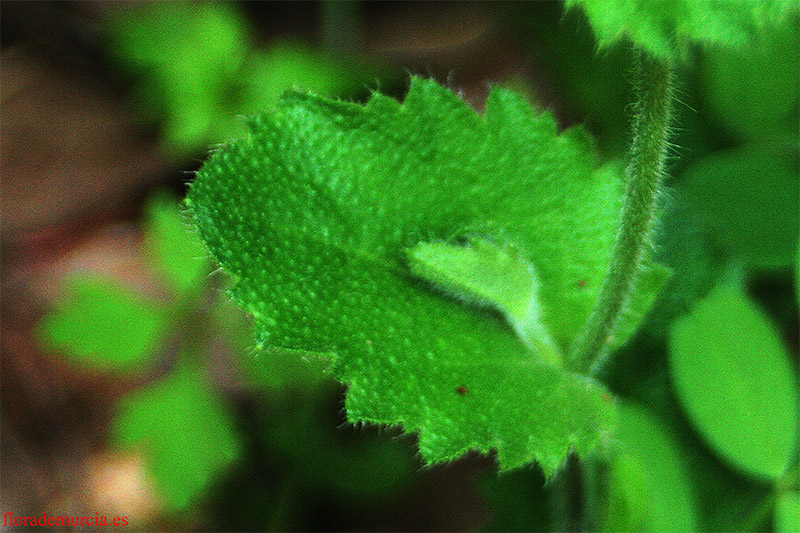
495 284
461 273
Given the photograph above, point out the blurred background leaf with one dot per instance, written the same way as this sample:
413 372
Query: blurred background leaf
196 69
764 178
651 486
628 498
104 325
787 512
754 96
185 57
173 247
736 383
186 432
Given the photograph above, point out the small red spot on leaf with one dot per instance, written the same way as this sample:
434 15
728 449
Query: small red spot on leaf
607 398
582 283
462 390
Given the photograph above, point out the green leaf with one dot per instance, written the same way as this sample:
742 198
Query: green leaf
104 325
488 275
174 246
186 55
651 489
735 381
754 94
667 28
186 433
289 64
627 502
787 512
765 180
315 211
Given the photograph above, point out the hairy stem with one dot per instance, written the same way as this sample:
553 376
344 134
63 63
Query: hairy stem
645 172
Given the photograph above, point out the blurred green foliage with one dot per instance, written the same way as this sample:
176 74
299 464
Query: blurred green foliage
628 497
187 58
754 96
196 69
189 434
115 329
184 429
762 177
181 426
745 406
787 513
650 485
173 250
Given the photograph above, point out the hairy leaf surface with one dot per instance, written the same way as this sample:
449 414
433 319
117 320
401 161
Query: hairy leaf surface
315 214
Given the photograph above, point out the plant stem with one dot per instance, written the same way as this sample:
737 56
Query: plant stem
645 172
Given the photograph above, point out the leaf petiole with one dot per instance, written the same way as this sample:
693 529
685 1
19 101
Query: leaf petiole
645 173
